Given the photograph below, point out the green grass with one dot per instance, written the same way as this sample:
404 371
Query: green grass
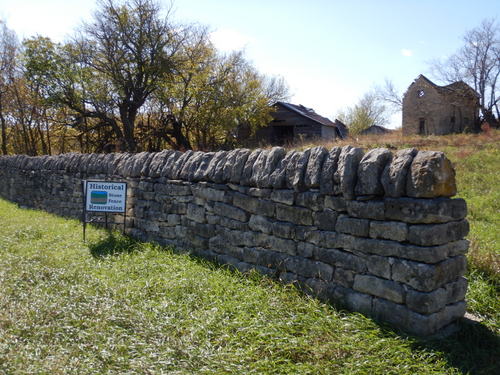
117 306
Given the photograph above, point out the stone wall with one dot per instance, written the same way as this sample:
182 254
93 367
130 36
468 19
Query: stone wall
375 231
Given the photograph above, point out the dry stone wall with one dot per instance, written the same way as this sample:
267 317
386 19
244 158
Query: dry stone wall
376 232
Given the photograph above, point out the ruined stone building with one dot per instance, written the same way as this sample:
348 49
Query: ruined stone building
432 109
293 122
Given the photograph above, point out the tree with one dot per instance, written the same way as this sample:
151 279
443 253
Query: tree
8 51
212 98
112 67
367 112
478 64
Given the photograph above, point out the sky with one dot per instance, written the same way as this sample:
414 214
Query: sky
330 52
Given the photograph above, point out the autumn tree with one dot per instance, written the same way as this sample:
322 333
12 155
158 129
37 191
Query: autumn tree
477 63
8 51
212 98
367 112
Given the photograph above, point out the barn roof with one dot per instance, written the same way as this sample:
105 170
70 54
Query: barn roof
307 113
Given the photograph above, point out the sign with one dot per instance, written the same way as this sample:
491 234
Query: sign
104 196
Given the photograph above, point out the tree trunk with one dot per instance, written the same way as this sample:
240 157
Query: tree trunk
4 130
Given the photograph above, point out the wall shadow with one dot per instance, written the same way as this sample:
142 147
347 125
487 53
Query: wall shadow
473 349
113 244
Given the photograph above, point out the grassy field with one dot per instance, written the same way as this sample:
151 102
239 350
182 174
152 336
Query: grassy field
117 306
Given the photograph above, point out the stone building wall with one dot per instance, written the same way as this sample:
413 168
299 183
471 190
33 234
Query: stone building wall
376 232
443 109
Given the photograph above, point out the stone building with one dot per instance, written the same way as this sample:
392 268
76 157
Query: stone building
293 122
432 109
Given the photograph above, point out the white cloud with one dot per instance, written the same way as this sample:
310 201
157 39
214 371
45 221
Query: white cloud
230 40
407 52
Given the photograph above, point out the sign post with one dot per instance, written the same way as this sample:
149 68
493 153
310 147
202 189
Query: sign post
104 196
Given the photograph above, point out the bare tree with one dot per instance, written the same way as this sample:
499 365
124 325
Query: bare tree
478 64
390 95
8 50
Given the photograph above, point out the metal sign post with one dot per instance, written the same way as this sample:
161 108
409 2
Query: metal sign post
105 197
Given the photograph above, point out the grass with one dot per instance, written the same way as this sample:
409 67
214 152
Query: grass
118 306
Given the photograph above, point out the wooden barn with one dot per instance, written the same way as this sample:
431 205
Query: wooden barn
293 122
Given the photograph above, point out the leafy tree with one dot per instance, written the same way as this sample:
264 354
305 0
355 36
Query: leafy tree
367 112
212 98
478 64
8 50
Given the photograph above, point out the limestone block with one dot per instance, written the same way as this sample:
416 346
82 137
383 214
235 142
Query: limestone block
291 167
233 224
431 175
238 166
231 212
275 155
395 173
200 229
314 166
259 192
326 219
260 224
156 164
339 258
254 205
247 171
275 243
336 203
167 170
195 213
350 225
277 179
296 215
283 229
375 286
437 234
328 170
366 210
207 193
346 174
190 166
310 199
425 211
356 301
258 167
379 266
283 196
305 250
212 166
389 230
232 156
217 172
370 170
179 163
309 268
344 277
428 277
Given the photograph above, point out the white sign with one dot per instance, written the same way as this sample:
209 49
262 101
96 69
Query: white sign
104 196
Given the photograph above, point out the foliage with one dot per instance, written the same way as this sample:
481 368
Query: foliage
135 78
367 112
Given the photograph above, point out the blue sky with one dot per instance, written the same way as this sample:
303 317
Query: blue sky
329 52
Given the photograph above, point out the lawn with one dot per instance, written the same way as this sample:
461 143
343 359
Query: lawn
118 306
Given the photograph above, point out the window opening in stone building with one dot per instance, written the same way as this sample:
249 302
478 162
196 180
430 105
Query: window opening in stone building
421 126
